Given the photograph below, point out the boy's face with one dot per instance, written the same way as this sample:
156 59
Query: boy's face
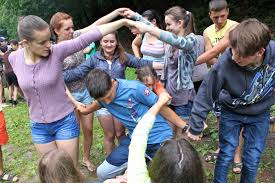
109 97
252 60
219 17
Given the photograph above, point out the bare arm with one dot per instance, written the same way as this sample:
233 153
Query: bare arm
212 52
111 27
136 44
105 19
89 108
171 116
72 99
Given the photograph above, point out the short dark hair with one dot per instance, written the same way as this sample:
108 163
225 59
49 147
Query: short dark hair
98 83
249 37
4 48
184 167
217 5
14 42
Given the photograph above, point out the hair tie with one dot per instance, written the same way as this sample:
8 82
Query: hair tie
187 12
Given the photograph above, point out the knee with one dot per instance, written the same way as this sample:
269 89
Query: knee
110 137
101 173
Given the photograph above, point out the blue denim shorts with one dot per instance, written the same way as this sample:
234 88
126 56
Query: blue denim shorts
102 112
183 111
63 129
83 96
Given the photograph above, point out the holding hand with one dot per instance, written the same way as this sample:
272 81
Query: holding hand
193 137
121 11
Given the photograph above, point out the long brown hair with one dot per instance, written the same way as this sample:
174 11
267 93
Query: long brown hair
179 13
57 166
120 51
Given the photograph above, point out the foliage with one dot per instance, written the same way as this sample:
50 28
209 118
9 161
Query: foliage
86 11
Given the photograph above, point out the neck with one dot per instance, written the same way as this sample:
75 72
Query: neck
181 33
30 57
108 56
257 63
219 28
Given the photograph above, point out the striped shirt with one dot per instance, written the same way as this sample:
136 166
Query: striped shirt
152 51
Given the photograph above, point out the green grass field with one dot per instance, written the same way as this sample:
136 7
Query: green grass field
21 158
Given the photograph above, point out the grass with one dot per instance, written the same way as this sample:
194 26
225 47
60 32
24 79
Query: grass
21 158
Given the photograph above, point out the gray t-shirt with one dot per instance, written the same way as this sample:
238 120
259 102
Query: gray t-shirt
181 96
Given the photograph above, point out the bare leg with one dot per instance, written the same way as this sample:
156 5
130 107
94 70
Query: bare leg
87 128
119 129
107 125
69 146
44 148
15 92
10 92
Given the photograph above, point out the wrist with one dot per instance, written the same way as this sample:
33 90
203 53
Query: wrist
185 128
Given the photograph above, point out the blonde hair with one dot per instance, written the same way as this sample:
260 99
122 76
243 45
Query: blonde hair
57 166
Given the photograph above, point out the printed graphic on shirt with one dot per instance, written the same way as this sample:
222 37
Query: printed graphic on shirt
262 85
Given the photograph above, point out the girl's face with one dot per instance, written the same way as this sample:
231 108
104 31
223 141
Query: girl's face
149 81
40 45
66 30
108 44
173 26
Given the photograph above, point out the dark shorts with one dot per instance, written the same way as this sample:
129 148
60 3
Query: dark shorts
11 79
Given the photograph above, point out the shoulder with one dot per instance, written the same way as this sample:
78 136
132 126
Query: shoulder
132 84
15 55
232 22
209 29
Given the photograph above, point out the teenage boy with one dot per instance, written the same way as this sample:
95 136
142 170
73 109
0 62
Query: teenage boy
128 101
242 82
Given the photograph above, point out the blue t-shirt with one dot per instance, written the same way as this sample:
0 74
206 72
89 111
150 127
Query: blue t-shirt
133 99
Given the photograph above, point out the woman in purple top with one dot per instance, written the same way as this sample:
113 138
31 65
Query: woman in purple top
38 67
62 28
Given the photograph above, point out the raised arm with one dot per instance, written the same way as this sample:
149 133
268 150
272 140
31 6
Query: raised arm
137 169
105 19
66 48
136 44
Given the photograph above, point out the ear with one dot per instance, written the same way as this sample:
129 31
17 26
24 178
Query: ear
154 21
25 43
56 31
261 52
209 13
180 22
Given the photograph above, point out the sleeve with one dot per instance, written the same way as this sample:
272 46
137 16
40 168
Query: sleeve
146 96
181 42
136 62
80 71
140 18
204 100
68 47
137 168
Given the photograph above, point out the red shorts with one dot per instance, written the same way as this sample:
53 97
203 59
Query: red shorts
3 131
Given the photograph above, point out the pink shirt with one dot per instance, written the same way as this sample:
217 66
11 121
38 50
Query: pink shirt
43 84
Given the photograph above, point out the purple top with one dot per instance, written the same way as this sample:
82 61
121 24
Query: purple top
43 84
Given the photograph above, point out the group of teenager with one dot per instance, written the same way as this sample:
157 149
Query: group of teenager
62 89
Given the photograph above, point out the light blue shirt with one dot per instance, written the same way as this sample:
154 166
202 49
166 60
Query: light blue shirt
133 99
